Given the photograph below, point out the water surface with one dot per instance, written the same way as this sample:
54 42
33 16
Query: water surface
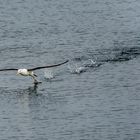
93 97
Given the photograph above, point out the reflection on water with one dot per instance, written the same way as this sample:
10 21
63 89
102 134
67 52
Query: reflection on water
29 90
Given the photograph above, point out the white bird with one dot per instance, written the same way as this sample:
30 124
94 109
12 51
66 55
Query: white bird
29 72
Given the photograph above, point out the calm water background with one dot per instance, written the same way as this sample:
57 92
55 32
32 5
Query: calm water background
96 96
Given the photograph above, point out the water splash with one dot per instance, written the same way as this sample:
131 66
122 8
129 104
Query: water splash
92 63
48 74
75 69
97 58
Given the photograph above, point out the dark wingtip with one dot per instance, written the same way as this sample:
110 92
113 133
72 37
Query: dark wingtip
66 61
49 66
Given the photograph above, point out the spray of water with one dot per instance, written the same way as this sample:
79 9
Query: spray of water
76 68
48 74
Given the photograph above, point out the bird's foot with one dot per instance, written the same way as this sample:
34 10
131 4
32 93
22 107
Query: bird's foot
37 82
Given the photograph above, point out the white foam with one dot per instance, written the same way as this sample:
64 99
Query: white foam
48 74
76 69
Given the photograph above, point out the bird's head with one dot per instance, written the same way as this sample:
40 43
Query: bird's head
18 72
22 72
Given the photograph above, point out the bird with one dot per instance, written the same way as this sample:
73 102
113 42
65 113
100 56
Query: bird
30 72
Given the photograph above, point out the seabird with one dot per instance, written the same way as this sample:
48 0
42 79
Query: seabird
29 72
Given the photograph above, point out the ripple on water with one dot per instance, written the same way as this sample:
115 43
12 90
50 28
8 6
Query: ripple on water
100 100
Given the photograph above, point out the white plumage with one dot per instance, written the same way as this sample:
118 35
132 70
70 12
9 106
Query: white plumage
23 72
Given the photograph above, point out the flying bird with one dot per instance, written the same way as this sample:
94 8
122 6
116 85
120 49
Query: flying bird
30 72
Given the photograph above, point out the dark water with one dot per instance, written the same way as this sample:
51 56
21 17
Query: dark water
96 96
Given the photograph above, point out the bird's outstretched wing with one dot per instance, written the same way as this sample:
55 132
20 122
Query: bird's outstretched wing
11 69
49 66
